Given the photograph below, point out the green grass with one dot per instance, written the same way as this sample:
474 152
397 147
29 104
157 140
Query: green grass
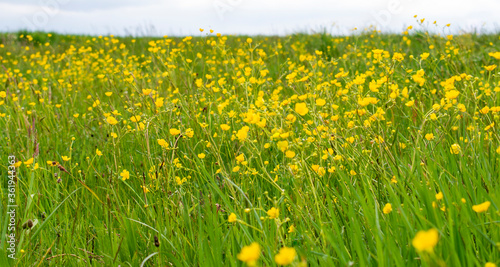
87 215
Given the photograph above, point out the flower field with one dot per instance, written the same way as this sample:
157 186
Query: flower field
304 150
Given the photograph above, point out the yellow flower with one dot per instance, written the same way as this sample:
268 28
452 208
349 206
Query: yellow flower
240 158
108 93
243 133
285 256
320 102
439 196
201 155
398 57
174 131
485 110
111 120
189 133
321 171
52 163
232 218
490 264
29 162
490 67
290 154
250 254
452 94
17 164
180 181
162 143
387 208
273 213
301 108
282 145
481 207
114 135
135 118
455 149
225 127
410 103
496 55
146 91
3 94
145 189
429 136
65 158
236 169
125 175
98 152
425 240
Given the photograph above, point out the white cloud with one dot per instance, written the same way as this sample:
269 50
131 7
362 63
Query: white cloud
238 16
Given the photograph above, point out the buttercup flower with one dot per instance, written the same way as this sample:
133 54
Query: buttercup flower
301 108
111 120
125 175
250 254
426 240
231 218
455 149
387 208
273 213
481 207
285 256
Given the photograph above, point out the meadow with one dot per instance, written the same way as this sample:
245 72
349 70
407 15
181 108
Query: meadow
305 150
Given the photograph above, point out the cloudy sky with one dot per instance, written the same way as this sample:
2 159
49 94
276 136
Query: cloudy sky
185 17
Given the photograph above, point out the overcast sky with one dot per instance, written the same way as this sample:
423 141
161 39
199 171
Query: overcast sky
185 17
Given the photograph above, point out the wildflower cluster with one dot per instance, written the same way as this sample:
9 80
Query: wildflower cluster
298 150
